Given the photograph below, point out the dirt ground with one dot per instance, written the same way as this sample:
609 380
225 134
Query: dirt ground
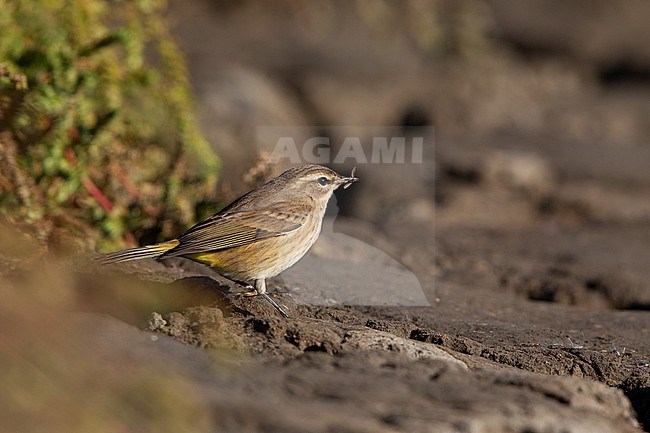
503 285
487 356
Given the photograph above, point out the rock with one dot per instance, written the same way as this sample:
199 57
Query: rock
378 340
520 172
200 326
240 111
342 270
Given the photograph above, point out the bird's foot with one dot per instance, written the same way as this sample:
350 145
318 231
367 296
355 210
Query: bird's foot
249 293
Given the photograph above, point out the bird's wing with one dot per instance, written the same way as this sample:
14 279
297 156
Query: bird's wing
233 229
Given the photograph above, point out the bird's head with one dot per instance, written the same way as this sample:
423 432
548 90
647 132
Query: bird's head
315 181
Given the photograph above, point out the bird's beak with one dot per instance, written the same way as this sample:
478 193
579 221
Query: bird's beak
347 181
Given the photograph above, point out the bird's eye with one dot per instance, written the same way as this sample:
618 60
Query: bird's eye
322 181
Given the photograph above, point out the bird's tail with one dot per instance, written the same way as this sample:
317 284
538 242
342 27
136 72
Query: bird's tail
146 252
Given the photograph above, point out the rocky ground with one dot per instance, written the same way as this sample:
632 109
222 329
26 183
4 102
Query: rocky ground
530 329
500 286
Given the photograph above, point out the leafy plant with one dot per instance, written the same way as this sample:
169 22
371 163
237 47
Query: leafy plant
98 139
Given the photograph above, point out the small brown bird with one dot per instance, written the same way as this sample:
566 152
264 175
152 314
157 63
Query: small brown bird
258 235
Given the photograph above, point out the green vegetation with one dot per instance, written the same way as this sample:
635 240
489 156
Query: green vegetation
98 138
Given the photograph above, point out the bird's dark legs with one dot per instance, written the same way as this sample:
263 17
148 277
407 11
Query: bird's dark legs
260 286
260 289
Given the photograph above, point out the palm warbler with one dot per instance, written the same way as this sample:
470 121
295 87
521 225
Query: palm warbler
260 234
